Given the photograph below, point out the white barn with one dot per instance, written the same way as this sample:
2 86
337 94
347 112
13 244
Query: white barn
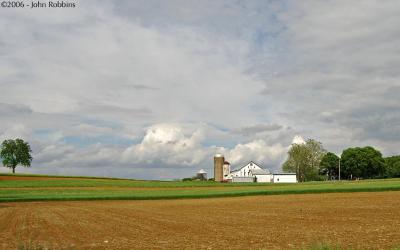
250 171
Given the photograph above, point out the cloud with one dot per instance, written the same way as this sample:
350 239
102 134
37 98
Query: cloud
166 151
154 89
10 110
257 129
16 131
168 144
341 73
298 140
258 151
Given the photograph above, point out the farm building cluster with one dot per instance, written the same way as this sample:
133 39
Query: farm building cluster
251 172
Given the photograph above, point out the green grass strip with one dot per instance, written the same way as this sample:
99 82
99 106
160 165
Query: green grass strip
14 195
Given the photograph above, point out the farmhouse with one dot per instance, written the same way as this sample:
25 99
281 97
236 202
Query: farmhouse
251 172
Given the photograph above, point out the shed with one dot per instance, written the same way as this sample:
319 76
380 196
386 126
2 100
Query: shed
285 178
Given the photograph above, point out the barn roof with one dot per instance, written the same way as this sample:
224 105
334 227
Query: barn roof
260 171
237 169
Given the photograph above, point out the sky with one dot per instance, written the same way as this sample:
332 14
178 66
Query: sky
153 89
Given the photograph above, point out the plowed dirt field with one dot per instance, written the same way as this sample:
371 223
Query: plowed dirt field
355 220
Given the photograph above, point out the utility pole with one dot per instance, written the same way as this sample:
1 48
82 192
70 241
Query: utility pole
339 168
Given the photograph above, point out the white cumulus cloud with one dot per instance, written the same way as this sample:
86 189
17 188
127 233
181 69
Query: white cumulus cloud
168 143
258 151
298 139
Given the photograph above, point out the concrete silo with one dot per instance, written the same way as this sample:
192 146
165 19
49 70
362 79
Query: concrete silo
218 167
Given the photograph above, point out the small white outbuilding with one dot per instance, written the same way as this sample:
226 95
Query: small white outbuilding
285 178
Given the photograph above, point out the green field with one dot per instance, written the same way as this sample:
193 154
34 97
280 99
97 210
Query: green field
122 189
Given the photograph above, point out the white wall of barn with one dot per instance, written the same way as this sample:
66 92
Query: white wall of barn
264 177
245 171
285 178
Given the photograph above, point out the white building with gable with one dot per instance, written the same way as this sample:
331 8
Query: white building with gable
253 172
249 173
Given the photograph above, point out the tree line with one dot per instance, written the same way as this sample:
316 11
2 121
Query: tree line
311 162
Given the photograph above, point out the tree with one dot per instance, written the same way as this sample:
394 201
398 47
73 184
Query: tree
393 166
15 152
365 162
304 160
297 161
329 165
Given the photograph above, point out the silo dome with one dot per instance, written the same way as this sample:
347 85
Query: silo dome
202 171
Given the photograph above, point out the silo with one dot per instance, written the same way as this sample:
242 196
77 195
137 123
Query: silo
218 167
226 169
201 175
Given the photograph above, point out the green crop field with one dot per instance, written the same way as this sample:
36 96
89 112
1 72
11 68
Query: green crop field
44 189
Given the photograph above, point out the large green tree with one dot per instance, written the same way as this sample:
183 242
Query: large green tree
393 166
15 152
365 162
329 165
304 160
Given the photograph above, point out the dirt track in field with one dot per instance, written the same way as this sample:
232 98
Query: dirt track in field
356 220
